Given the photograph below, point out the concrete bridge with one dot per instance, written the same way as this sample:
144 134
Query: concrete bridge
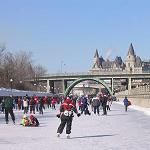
61 81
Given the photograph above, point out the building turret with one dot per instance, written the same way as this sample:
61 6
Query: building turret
131 50
96 60
130 59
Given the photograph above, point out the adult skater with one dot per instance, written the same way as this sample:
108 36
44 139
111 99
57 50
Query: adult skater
66 115
126 103
8 106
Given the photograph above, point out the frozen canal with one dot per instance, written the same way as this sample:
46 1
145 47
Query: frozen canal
118 130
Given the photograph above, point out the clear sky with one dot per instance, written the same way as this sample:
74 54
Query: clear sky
67 32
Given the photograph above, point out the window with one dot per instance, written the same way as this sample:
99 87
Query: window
128 64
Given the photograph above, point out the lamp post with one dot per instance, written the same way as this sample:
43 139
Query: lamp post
20 85
35 86
11 80
58 90
45 88
40 87
83 89
62 64
52 89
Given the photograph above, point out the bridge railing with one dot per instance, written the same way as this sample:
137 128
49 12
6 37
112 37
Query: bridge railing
105 72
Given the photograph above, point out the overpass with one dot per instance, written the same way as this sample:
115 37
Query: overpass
61 79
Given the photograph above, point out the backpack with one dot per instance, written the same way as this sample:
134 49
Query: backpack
129 103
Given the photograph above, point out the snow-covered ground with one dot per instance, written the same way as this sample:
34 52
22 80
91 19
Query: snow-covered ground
119 130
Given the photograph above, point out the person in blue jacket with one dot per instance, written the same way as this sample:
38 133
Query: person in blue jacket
126 103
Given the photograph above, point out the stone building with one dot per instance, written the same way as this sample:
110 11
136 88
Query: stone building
131 64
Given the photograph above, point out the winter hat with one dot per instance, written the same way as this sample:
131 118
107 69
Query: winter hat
24 116
31 117
68 100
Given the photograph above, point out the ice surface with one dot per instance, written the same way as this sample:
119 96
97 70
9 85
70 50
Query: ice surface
119 130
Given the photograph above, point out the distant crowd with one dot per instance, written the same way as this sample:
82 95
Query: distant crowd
34 104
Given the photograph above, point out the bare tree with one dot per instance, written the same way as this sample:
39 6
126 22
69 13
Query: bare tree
8 68
39 70
19 67
2 51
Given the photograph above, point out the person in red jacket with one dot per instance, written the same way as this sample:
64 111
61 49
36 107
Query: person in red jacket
54 101
66 115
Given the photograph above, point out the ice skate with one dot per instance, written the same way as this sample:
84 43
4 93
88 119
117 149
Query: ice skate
68 136
58 134
14 122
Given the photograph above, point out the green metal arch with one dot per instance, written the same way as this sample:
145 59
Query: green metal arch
67 91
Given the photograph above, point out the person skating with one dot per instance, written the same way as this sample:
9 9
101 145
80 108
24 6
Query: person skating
53 103
96 104
103 100
34 121
41 105
25 121
109 103
25 105
84 105
126 103
32 104
66 115
8 106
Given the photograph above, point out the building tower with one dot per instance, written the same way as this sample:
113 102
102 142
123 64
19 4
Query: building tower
130 59
96 61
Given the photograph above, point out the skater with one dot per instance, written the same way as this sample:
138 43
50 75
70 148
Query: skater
66 115
19 103
126 103
34 121
109 103
84 105
25 121
25 105
96 104
32 104
8 106
53 103
103 100
41 105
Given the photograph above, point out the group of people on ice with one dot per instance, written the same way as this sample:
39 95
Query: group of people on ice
68 107
100 101
33 103
27 104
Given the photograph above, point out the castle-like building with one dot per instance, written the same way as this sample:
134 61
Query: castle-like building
131 64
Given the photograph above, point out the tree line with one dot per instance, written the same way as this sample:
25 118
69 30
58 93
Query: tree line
17 68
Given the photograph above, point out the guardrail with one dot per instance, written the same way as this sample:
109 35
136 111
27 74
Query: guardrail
116 72
14 92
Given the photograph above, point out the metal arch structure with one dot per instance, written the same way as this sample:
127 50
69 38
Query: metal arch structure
67 91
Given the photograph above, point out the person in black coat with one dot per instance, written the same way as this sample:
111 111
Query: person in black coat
84 105
103 100
8 106
66 115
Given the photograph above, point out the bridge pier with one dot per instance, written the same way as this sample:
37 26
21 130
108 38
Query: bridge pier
48 87
64 85
112 85
51 86
129 85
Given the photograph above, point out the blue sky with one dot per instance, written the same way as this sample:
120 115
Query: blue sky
68 32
